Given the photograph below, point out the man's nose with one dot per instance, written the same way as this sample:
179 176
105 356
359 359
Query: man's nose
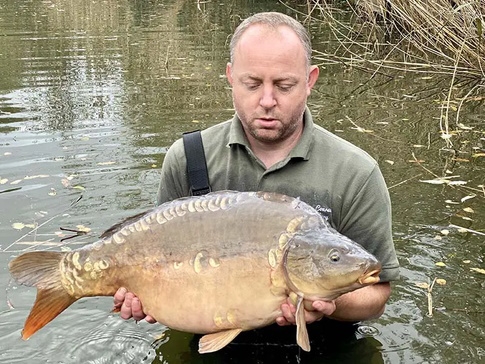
268 99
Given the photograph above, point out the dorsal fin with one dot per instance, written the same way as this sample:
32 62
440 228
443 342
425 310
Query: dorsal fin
118 226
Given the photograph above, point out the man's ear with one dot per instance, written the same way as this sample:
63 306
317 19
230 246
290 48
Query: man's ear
229 72
312 77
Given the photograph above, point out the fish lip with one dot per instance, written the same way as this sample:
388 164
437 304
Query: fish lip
370 277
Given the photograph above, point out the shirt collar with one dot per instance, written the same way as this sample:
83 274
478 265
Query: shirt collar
301 150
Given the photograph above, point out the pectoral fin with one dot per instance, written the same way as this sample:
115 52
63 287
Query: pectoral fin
301 332
213 342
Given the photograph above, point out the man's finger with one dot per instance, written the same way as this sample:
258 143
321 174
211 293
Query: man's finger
136 309
281 321
288 313
125 311
119 296
324 307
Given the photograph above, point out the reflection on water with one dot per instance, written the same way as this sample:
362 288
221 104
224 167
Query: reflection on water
93 93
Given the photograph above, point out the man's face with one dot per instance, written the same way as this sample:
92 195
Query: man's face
270 83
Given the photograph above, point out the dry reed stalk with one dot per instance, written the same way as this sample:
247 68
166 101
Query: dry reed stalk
441 36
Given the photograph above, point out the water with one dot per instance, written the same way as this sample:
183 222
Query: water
93 93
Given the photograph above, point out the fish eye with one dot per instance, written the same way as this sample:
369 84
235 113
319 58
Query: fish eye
334 256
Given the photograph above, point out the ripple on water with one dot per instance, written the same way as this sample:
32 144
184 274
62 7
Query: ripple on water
127 342
80 335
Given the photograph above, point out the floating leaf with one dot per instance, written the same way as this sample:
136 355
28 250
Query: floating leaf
440 264
457 183
476 155
438 237
195 121
445 232
79 188
21 225
17 181
65 182
469 209
390 162
7 153
362 130
446 136
478 270
3 181
466 218
83 228
467 198
106 163
437 181
452 202
423 285
52 192
37 176
441 281
154 166
467 261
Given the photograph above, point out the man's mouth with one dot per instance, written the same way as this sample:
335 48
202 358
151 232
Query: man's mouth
267 122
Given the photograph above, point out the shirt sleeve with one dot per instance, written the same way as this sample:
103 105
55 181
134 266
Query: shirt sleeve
173 182
368 221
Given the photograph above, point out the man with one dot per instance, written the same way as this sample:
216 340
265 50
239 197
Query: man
271 144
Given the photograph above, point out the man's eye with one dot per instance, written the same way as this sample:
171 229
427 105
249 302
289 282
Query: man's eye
251 86
285 88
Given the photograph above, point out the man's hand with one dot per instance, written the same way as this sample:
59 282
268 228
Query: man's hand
315 312
363 304
130 306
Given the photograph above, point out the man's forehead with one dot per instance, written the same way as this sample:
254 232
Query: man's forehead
259 36
261 30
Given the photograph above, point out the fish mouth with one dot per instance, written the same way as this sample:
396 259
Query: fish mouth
370 277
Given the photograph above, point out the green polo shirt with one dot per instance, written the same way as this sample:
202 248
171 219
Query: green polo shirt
334 176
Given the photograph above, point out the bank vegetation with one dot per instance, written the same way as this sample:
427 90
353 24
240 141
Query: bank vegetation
428 37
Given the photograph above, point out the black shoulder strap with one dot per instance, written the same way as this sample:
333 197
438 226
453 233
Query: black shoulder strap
196 164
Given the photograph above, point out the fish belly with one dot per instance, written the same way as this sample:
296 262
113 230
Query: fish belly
235 293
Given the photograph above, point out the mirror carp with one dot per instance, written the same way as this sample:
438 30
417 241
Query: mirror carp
216 264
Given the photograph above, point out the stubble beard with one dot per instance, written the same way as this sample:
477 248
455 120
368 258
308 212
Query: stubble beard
273 135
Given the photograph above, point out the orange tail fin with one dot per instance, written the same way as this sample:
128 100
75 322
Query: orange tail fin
41 269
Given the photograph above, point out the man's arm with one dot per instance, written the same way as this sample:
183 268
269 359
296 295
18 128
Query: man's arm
173 182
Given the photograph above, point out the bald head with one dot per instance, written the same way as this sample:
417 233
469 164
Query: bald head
273 21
